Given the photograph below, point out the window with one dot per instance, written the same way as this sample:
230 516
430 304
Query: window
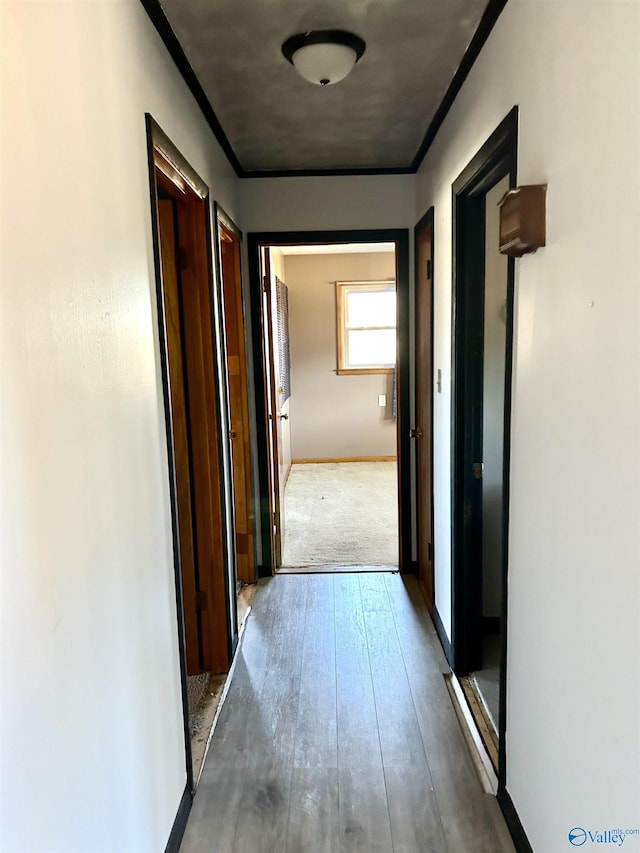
284 352
366 326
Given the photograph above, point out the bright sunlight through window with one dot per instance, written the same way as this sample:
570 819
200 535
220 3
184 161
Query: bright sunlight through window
366 318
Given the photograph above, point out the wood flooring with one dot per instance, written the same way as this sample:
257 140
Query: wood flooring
338 734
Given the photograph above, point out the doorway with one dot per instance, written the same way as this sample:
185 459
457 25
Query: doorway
334 355
483 296
300 421
423 431
228 257
194 383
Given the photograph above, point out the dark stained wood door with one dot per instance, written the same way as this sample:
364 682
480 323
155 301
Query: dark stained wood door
206 469
167 225
238 402
188 333
424 400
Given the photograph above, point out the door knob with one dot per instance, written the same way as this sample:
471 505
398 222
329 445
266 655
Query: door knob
284 417
415 433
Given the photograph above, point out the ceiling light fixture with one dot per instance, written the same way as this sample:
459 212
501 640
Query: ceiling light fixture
323 57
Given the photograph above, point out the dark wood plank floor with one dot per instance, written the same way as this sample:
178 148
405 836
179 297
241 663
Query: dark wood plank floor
338 734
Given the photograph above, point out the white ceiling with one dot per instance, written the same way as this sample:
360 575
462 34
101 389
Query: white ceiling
374 119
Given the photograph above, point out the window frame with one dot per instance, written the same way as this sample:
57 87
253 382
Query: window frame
342 288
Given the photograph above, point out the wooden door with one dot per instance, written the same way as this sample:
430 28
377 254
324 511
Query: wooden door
280 414
167 227
186 326
206 470
238 402
272 409
424 400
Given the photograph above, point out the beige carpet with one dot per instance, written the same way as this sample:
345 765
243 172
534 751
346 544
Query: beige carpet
341 514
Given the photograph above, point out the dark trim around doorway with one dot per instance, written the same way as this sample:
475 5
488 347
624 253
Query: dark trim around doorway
155 137
158 140
221 381
428 219
495 159
442 634
279 238
180 822
513 821
221 217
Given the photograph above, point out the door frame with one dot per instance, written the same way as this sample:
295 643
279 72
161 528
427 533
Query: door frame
427 219
495 159
222 218
158 141
399 236
274 423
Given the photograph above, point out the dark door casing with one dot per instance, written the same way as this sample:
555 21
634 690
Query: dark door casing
423 433
496 159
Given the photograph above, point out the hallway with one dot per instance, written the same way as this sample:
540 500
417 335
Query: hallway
338 733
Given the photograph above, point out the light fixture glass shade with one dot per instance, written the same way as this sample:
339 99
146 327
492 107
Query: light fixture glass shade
324 64
323 57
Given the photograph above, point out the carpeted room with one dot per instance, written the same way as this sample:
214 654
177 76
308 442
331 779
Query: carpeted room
341 514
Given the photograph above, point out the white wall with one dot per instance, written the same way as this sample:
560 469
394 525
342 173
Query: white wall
300 204
331 415
574 595
92 749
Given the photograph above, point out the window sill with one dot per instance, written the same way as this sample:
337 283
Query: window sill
346 371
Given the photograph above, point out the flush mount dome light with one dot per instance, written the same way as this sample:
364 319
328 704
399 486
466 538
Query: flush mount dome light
323 57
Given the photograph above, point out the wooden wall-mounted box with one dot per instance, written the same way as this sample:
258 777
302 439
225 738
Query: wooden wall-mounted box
523 220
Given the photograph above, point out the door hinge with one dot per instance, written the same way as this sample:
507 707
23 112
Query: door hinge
265 288
201 600
429 268
275 523
476 470
183 259
430 552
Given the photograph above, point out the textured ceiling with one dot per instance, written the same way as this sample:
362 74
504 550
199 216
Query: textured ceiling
375 118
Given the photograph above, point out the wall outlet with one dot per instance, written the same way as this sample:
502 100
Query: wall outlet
382 400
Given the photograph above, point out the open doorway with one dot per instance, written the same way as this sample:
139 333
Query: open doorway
333 349
191 345
482 350
335 356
